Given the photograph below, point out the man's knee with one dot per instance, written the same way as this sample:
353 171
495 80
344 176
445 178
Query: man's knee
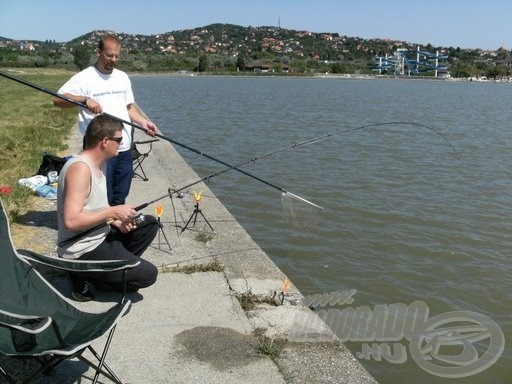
151 225
145 275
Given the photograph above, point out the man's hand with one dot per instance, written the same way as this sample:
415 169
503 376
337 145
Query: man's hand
123 226
93 106
138 117
150 128
123 213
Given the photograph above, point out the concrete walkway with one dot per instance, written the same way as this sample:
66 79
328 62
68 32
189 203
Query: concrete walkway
191 328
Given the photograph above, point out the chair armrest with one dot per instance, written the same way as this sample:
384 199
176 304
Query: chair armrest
76 265
24 323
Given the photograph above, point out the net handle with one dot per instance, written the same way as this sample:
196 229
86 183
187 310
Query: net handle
286 193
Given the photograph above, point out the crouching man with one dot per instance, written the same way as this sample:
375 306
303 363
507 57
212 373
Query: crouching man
82 207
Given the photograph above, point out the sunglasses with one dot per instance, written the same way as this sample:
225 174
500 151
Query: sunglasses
116 139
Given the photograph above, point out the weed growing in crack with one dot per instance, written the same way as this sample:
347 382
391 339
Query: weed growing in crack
204 237
270 346
212 266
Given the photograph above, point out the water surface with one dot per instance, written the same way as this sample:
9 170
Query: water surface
406 217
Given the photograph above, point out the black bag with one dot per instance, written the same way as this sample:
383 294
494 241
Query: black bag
51 163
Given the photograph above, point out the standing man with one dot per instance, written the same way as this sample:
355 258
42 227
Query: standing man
103 88
91 229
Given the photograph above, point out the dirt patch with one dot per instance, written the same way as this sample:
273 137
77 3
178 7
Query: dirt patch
36 228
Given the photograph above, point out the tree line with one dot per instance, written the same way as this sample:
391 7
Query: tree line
248 49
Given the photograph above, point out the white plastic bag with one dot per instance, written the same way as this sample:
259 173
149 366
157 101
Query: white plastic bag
34 181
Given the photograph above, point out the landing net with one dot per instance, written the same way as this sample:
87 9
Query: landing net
300 212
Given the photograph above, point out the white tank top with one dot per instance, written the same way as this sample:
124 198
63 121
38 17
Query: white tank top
96 200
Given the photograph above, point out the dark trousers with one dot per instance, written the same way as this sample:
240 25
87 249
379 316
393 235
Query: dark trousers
124 246
119 177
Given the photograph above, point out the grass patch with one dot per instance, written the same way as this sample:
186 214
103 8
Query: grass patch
204 237
29 126
212 266
268 346
248 300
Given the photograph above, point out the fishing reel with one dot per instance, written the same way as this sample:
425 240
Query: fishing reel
138 220
179 195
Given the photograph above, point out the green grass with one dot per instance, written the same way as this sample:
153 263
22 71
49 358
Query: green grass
269 346
204 237
29 126
212 266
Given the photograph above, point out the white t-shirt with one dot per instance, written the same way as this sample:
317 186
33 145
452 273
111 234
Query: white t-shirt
113 91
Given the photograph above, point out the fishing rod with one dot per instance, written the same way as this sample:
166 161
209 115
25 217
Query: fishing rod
134 125
310 141
371 125
301 144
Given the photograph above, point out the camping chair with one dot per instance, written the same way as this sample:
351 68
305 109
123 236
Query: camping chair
139 157
38 322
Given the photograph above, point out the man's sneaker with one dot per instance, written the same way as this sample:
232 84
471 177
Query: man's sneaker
84 294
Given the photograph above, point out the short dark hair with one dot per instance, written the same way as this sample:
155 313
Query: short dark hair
100 127
101 44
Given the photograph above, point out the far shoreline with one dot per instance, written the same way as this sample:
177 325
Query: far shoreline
317 76
189 74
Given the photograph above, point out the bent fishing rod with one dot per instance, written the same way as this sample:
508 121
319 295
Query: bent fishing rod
310 141
293 146
134 125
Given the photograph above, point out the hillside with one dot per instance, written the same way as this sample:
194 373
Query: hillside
227 47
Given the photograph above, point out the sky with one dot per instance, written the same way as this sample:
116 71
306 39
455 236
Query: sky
471 24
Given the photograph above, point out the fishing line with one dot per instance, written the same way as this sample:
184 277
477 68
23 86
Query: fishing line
134 125
312 141
344 131
292 212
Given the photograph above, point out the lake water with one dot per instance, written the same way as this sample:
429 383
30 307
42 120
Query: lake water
406 217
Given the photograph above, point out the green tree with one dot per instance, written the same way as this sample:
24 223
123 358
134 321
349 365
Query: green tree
82 56
240 62
338 68
497 71
203 63
139 65
463 70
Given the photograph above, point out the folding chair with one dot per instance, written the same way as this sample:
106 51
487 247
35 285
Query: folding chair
38 322
139 157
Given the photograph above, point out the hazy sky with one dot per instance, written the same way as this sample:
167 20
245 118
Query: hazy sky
482 24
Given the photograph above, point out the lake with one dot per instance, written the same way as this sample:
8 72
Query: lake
407 217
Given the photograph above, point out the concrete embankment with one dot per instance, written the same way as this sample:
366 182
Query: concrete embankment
216 325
